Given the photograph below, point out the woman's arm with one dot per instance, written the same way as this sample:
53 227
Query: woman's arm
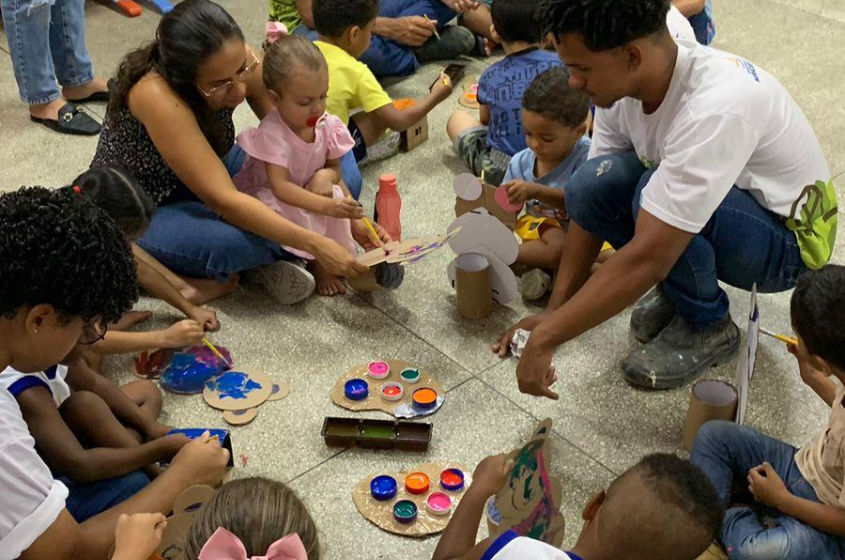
292 194
176 134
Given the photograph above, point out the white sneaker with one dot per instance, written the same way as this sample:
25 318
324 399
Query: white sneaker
286 282
534 284
388 146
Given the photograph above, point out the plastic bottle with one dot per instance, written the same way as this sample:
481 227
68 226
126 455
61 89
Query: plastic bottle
389 206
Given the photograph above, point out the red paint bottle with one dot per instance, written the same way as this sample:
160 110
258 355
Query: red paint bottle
389 206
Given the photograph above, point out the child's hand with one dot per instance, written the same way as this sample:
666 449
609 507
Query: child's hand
173 444
361 233
322 183
766 486
442 88
463 6
344 208
519 192
491 474
202 461
183 334
137 536
808 372
206 318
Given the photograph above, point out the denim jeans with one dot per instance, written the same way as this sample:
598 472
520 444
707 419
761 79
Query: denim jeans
703 25
84 501
726 452
47 42
742 243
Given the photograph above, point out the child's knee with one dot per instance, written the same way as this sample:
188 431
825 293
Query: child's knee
80 404
762 547
713 434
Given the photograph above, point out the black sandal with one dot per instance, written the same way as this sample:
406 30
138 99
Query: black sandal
96 97
72 120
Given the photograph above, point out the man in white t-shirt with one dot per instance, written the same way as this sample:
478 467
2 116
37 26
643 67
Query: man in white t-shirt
65 270
703 169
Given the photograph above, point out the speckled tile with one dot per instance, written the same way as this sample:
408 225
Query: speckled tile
463 432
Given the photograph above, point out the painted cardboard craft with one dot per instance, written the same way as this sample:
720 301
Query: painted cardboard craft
469 97
381 513
405 252
709 400
747 358
417 133
184 508
503 284
401 408
478 230
182 371
486 199
240 417
473 286
237 390
530 501
280 389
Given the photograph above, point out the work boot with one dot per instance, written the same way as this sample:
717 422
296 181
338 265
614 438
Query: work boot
455 41
652 314
680 353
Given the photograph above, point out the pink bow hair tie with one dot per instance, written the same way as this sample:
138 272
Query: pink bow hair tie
274 30
223 545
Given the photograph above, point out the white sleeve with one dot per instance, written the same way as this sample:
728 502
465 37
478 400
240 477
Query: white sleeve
703 159
608 137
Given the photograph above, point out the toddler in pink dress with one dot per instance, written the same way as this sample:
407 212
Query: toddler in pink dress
293 157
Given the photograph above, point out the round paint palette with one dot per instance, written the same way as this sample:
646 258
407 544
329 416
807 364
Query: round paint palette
237 390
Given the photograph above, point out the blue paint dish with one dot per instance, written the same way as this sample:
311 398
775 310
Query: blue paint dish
356 389
383 488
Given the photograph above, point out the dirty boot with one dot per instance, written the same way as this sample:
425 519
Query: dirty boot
680 354
652 314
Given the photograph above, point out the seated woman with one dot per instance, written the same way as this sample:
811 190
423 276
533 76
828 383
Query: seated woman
170 124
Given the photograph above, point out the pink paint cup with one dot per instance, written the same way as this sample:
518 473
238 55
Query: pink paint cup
438 504
378 370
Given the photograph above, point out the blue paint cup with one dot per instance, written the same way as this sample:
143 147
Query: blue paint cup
356 389
383 488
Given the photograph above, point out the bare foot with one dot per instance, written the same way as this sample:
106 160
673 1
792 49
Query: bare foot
200 291
130 319
328 284
48 110
83 91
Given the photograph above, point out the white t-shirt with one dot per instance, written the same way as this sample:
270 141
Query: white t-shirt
52 379
510 546
724 122
30 499
679 26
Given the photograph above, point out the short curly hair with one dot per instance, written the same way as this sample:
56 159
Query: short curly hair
604 24
818 313
333 17
58 249
550 96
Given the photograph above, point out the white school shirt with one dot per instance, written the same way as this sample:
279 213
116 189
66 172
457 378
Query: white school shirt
724 122
509 546
52 379
30 499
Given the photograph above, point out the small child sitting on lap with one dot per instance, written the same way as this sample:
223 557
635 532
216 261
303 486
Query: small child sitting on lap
260 517
487 145
293 157
554 118
806 486
661 508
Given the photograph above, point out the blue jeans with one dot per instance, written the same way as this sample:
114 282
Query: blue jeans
703 25
726 452
742 244
47 42
84 501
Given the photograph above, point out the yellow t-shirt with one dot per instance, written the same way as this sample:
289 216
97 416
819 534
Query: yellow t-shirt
351 84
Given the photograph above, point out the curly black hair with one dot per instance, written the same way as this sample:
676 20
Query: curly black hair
818 313
333 17
604 24
58 249
550 96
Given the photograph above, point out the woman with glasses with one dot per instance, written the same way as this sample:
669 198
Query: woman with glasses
170 123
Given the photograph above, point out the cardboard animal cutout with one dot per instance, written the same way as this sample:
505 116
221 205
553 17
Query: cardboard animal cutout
472 193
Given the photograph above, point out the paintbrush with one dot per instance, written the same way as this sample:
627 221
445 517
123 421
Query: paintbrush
372 229
782 338
214 349
436 34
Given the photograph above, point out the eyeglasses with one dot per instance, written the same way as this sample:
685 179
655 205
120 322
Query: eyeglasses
220 89
93 333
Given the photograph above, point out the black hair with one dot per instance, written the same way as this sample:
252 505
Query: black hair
550 96
58 249
116 192
516 20
818 313
604 24
333 17
185 38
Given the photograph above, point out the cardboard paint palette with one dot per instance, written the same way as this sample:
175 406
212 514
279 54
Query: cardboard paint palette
529 503
471 193
370 395
382 512
404 252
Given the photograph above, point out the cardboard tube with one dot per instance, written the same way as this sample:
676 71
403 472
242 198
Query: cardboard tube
473 285
365 282
710 400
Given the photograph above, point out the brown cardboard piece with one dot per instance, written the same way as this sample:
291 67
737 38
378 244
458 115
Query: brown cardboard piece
240 417
405 252
529 503
254 398
179 523
474 289
486 200
416 134
381 513
374 401
709 400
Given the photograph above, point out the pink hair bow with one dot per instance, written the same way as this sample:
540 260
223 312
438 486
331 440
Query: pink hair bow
274 30
223 545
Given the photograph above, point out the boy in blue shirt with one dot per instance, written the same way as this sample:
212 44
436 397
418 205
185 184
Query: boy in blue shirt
554 117
488 144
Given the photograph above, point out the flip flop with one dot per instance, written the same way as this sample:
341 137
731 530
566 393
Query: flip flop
72 120
96 97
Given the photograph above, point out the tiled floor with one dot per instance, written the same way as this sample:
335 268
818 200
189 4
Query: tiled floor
601 425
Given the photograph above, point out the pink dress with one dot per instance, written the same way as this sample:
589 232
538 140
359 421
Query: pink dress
274 142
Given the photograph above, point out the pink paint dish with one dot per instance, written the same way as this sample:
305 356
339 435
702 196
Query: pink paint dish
438 504
378 370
